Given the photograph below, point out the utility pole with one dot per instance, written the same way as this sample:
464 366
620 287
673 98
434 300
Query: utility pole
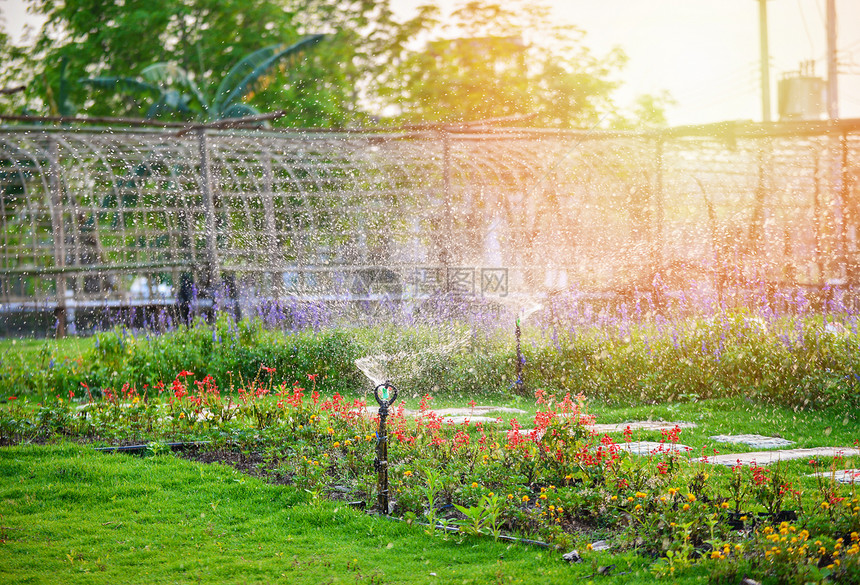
765 61
832 88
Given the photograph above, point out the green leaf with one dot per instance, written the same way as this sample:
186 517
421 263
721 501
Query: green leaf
239 80
167 74
239 111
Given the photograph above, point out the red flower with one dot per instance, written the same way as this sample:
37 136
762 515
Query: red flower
313 377
10 398
84 384
184 373
267 369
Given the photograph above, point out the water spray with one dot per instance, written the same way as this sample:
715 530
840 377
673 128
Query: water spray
385 395
520 384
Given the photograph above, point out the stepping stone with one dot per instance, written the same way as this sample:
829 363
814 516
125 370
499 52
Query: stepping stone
468 411
457 415
754 441
768 457
653 448
642 425
458 420
842 475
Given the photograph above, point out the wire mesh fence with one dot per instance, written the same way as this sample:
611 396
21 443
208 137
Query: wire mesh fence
117 217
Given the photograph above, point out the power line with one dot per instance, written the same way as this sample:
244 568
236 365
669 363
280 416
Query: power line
806 27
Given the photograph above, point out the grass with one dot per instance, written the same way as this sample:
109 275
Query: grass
69 514
64 348
717 416
724 416
72 515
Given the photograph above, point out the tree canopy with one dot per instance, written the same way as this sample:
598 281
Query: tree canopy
494 60
488 60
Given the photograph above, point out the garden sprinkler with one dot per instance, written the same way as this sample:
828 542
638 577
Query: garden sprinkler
385 395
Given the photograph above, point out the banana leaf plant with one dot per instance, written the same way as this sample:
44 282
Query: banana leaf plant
173 89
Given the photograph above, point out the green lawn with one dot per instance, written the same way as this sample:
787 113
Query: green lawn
71 515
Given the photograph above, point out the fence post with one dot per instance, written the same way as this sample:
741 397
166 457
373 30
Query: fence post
273 256
445 254
848 214
59 231
210 274
658 203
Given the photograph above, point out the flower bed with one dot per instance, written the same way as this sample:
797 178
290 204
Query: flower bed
560 482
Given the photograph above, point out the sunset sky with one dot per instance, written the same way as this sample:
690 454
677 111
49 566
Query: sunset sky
705 53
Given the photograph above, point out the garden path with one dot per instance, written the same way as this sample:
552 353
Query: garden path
776 452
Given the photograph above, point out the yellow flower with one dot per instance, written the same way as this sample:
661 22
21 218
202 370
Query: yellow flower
641 494
672 491
691 498
686 507
613 498
510 496
543 496
825 505
525 498
638 507
474 484
724 505
336 444
407 473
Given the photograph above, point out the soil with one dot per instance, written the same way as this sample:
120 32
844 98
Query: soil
248 463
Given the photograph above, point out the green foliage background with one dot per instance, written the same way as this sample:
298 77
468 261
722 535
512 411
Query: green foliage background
494 60
796 362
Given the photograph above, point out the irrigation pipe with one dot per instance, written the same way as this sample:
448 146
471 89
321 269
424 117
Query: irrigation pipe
137 448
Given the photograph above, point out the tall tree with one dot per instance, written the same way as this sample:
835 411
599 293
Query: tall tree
326 87
497 60
107 37
16 76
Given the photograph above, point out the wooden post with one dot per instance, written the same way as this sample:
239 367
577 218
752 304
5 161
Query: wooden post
59 231
272 253
658 205
210 275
